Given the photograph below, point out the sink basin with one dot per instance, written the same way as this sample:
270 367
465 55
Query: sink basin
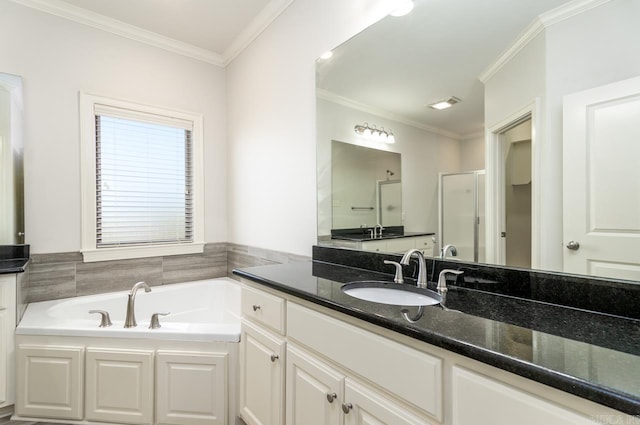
391 293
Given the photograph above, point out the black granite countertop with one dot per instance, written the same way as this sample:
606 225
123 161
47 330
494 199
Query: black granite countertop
593 355
13 258
16 265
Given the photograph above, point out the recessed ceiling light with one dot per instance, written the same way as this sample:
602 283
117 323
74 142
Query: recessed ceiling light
444 104
326 55
403 9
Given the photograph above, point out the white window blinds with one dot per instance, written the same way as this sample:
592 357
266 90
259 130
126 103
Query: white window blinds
143 178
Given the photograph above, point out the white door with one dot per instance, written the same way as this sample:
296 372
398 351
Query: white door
314 391
261 376
601 162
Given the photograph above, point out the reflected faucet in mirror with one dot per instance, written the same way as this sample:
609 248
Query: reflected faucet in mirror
450 248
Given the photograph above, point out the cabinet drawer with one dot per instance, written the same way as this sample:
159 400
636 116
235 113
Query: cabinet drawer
410 374
263 308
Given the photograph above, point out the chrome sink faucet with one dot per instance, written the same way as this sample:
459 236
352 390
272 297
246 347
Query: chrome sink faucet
442 279
130 321
448 248
378 233
422 266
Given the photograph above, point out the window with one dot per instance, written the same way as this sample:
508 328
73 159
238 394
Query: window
141 180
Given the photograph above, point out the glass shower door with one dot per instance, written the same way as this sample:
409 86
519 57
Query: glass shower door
462 214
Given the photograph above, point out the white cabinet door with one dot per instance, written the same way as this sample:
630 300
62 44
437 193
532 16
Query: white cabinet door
4 356
119 386
314 390
51 381
364 406
602 181
7 326
191 388
262 356
478 400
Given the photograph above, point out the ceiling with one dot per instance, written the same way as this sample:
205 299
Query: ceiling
399 65
211 30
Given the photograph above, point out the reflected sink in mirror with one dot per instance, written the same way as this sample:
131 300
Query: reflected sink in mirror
391 293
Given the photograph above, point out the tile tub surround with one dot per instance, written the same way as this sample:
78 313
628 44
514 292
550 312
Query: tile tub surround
65 275
531 347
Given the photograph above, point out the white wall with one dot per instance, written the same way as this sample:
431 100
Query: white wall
57 58
271 122
424 156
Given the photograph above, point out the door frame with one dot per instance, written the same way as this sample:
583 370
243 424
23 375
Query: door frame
495 215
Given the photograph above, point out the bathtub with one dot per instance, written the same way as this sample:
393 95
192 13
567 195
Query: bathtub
207 310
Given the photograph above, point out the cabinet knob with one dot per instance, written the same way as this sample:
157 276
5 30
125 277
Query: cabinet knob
331 397
274 357
256 307
346 407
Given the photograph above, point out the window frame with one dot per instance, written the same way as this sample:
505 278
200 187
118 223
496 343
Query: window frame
89 249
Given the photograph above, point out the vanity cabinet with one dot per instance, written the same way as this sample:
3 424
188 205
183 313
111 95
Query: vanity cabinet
342 371
392 245
7 327
262 358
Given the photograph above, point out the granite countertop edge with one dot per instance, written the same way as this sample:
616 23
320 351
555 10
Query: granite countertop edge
599 394
17 265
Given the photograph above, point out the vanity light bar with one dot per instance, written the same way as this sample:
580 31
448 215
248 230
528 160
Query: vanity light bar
444 104
373 133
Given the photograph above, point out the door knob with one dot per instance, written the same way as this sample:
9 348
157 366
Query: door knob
573 245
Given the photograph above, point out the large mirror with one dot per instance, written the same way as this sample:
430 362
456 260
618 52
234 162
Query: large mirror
536 150
11 155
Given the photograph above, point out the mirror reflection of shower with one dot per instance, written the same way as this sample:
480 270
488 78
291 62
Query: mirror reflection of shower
461 215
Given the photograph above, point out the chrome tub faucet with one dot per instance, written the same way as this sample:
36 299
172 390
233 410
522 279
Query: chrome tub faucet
130 321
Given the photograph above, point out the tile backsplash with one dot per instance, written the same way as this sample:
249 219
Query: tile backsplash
65 275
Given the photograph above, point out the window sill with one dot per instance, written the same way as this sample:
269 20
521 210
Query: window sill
126 253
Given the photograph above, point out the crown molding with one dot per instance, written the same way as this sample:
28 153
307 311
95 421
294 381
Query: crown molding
86 17
538 25
101 22
267 15
353 104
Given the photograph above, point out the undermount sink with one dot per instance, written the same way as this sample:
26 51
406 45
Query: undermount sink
391 293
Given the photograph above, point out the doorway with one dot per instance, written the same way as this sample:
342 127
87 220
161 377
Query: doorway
512 206
516 143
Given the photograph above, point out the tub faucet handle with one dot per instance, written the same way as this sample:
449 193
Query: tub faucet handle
105 320
155 322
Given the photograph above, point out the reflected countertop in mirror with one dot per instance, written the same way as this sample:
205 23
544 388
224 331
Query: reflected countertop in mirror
586 353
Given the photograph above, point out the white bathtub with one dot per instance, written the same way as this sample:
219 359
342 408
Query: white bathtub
207 310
